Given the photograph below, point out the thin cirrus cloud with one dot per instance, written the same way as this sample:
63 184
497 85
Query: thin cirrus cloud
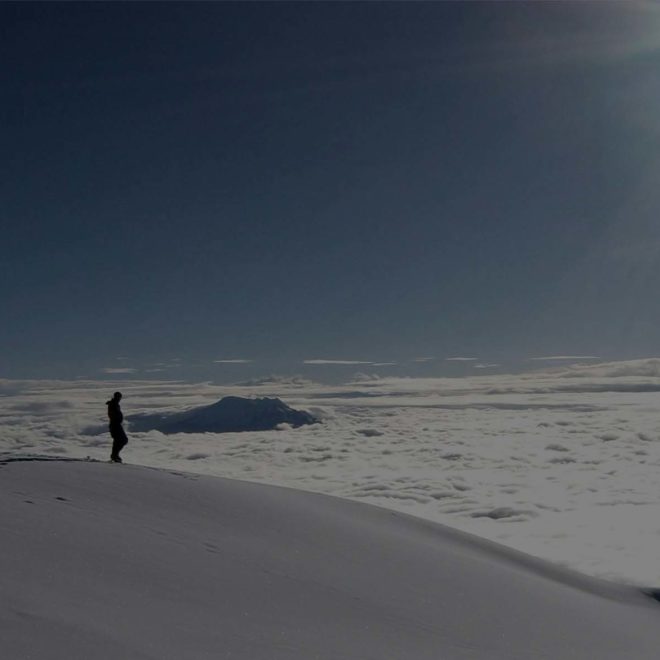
460 359
335 362
119 370
232 361
560 358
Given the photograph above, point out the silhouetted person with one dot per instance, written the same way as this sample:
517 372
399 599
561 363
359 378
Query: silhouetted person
119 439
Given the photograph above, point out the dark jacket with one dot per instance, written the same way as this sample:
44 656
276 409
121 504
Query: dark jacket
114 412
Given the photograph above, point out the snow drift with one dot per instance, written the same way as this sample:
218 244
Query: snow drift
230 414
108 561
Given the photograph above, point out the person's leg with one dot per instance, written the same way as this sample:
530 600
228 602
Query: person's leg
119 440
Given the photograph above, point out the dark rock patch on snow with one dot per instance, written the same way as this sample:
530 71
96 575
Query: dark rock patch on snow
229 415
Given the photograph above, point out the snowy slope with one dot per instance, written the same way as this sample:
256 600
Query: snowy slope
108 561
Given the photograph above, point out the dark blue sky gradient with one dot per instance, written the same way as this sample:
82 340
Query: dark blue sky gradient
280 182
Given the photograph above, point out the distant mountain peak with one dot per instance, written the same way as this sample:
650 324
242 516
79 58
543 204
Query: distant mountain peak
230 414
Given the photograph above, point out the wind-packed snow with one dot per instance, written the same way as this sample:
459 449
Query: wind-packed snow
105 561
563 464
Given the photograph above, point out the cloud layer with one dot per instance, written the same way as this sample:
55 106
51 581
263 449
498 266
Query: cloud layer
562 463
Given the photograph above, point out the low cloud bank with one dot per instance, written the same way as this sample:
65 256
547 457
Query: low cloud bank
648 367
446 449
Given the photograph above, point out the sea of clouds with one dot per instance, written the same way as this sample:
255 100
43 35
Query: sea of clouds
562 463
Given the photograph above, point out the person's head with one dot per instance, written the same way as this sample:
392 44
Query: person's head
117 396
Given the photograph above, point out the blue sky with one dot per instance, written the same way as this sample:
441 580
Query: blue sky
340 181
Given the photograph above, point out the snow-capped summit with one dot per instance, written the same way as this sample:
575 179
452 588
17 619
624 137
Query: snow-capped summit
230 414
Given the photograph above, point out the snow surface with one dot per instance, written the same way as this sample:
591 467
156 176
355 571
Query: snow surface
562 464
104 561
